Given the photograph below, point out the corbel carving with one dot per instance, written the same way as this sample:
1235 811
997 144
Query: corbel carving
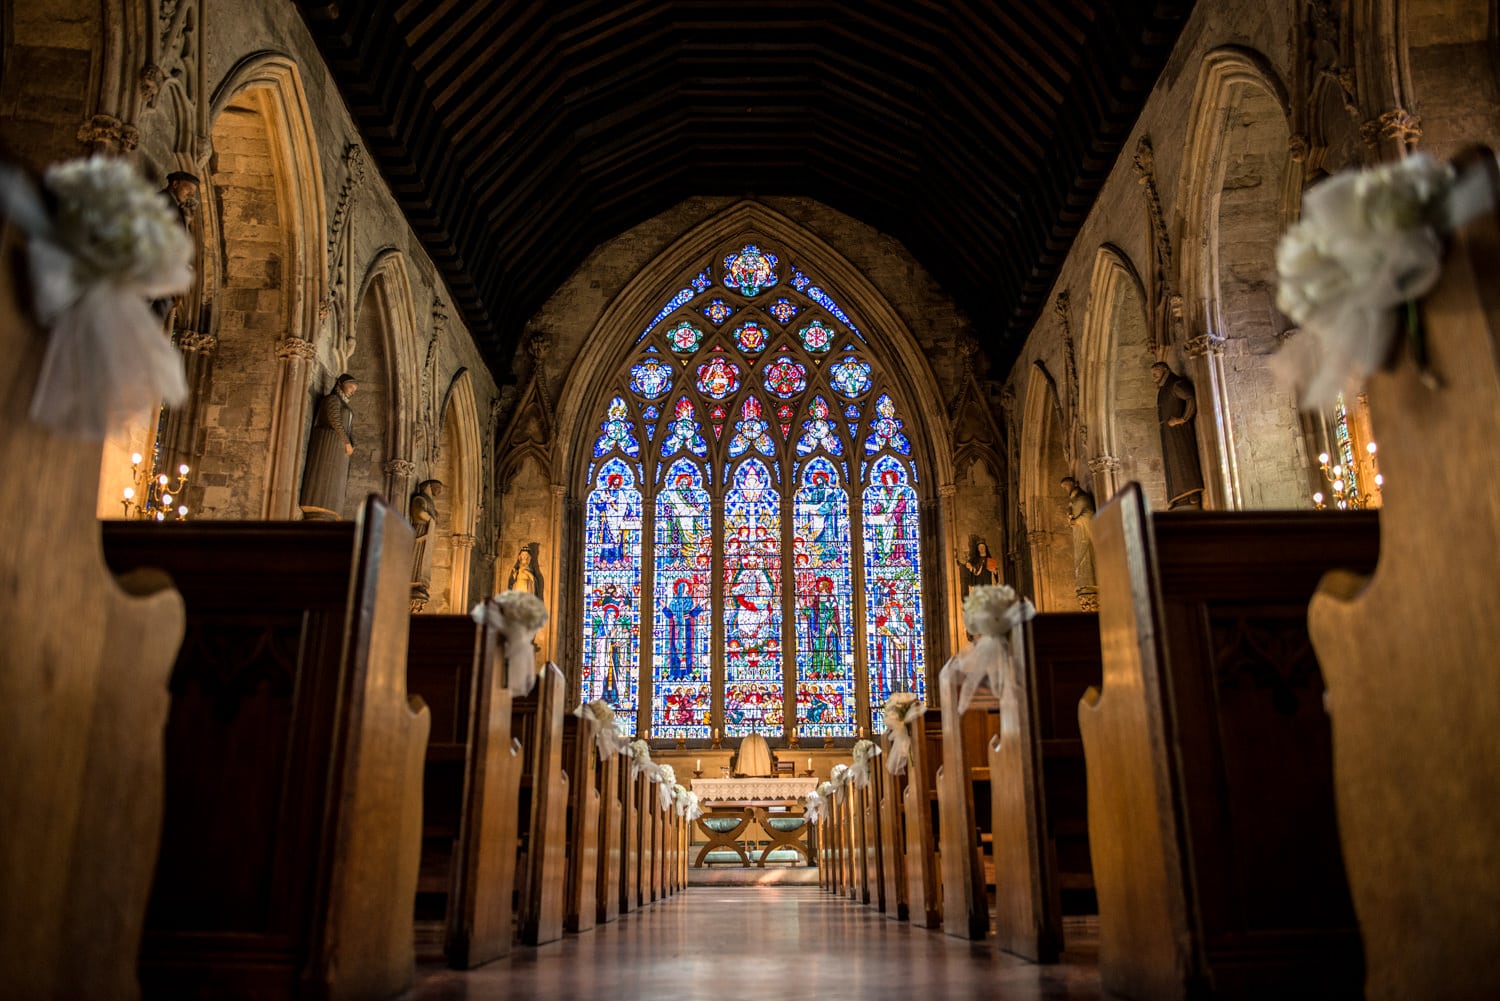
1397 125
108 134
295 348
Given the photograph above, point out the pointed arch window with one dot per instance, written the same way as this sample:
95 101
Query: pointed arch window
753 507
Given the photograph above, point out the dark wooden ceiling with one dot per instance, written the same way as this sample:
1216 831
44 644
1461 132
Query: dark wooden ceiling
518 135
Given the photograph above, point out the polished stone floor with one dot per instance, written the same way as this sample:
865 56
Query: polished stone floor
752 943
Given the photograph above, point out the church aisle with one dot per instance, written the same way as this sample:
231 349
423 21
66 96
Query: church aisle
753 943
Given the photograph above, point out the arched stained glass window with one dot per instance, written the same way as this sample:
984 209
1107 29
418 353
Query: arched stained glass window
772 515
612 590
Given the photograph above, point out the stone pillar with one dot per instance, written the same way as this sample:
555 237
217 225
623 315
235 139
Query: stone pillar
180 424
1214 423
458 573
1106 470
289 423
947 582
398 477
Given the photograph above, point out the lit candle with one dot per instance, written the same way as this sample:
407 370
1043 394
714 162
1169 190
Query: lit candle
699 768
716 733
809 764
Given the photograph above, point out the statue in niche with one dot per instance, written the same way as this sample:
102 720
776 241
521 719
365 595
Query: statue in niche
525 573
1176 406
979 568
422 513
1081 519
181 196
326 473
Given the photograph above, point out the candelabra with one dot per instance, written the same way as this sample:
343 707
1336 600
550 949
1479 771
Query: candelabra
1343 484
151 498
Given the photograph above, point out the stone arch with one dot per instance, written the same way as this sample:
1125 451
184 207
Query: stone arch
1117 395
460 465
263 223
386 360
1043 463
1240 191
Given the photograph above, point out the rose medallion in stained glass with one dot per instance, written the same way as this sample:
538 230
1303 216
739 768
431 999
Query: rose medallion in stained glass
684 337
718 377
785 378
751 271
751 338
816 337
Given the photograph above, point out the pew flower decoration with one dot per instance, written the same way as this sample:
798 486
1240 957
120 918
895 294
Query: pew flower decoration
865 751
814 805
1369 241
517 616
607 736
666 783
839 776
102 244
900 709
685 803
826 790
640 756
993 614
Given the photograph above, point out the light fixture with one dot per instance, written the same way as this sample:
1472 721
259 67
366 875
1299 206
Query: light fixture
154 497
1343 484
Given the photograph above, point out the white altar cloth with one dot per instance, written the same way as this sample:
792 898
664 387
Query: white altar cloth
788 788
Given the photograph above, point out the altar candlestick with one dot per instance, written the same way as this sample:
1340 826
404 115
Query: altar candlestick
700 765
809 764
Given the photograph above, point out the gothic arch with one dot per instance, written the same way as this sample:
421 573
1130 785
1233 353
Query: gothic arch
387 340
460 465
268 85
1240 191
1043 465
1118 397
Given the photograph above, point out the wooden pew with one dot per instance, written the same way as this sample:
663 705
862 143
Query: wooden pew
1038 790
630 837
293 759
645 808
1409 652
965 741
893 835
1210 779
544 810
83 700
870 849
581 757
924 894
611 838
859 887
470 786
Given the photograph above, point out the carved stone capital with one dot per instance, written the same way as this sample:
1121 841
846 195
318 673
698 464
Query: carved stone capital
1037 537
402 467
1298 148
193 342
463 541
109 132
947 490
1088 599
295 348
1398 125
1203 344
1104 464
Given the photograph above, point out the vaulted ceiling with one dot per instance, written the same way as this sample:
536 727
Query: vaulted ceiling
518 135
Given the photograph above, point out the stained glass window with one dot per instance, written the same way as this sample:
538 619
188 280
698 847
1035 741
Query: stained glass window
683 622
779 552
824 585
752 598
612 591
893 585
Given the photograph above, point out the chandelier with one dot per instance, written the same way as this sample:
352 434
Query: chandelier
151 498
1344 492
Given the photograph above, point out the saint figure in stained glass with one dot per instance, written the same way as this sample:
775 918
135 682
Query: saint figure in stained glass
750 271
718 377
885 430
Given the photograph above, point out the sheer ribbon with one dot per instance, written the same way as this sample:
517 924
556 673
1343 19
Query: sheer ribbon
996 656
901 709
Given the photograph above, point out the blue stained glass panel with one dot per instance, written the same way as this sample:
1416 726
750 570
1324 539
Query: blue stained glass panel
718 311
818 430
785 378
617 431
682 696
893 585
682 431
751 271
682 298
684 337
816 337
751 338
612 592
824 589
650 378
718 377
885 429
784 310
850 377
703 281
752 595
751 431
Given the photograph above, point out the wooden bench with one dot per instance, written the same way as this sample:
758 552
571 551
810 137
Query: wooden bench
1039 796
870 850
470 786
1210 776
611 839
630 837
293 759
920 809
581 756
892 835
1409 653
543 813
963 787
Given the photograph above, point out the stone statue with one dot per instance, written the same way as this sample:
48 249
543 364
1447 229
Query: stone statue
1176 406
524 575
181 195
422 513
1081 518
326 473
978 569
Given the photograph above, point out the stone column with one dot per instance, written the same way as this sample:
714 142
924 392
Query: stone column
180 424
458 572
1214 423
398 481
289 424
1106 470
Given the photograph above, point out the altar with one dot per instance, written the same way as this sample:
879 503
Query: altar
748 821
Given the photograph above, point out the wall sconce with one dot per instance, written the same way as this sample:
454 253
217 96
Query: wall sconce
154 498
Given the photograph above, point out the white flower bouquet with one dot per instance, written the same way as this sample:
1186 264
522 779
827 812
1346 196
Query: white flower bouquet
993 613
666 781
607 736
813 807
900 709
865 751
838 776
106 247
517 616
